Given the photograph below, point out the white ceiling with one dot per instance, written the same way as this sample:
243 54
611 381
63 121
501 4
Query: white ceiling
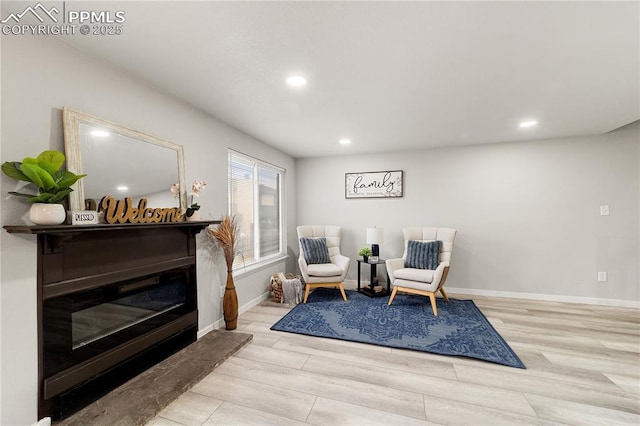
388 75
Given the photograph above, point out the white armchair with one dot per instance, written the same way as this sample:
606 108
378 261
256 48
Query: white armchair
426 282
330 274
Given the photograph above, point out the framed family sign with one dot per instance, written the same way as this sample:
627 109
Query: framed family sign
385 184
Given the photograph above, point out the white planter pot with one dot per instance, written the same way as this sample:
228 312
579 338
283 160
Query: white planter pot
47 214
194 217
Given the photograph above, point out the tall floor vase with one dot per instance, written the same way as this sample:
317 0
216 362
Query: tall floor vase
230 304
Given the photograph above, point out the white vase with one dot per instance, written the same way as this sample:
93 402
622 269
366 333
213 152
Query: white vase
194 217
47 214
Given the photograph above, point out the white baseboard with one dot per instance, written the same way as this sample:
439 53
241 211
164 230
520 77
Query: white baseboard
242 309
43 422
353 284
547 297
208 329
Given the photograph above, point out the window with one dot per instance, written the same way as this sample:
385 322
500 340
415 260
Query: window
255 199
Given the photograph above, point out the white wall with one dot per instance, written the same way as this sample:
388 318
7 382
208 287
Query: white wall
527 213
39 77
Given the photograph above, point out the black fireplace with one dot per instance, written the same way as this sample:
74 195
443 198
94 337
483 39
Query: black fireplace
113 300
81 325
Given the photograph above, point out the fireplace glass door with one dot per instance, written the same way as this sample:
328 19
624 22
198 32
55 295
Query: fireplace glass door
83 324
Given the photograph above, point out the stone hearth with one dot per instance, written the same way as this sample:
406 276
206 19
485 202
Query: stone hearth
140 399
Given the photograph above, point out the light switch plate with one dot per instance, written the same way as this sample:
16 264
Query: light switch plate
604 210
602 277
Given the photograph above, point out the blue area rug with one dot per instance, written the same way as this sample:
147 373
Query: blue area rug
460 329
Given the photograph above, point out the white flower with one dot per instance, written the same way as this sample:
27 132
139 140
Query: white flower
197 187
175 190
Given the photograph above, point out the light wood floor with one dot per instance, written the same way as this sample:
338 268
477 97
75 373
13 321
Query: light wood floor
583 368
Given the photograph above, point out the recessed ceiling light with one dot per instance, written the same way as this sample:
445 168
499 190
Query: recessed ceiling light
530 123
122 188
100 133
345 141
296 81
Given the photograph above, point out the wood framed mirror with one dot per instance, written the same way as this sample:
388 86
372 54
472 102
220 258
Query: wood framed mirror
120 162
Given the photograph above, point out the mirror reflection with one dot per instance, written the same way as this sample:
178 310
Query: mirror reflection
120 162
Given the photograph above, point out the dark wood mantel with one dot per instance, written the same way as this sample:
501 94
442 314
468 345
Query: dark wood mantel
80 256
69 229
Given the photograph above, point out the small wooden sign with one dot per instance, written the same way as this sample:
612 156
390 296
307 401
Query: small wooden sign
84 217
123 211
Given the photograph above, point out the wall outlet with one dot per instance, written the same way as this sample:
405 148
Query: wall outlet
602 277
604 210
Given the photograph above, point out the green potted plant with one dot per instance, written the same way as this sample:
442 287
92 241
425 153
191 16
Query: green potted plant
365 252
53 185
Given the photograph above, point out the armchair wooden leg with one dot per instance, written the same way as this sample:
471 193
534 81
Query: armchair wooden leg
344 295
339 286
306 293
446 298
393 294
432 296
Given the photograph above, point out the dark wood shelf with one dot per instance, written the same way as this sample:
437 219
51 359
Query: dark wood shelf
72 229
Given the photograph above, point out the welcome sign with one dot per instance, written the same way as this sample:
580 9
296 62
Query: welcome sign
122 211
385 184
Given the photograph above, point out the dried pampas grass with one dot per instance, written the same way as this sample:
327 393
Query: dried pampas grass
226 235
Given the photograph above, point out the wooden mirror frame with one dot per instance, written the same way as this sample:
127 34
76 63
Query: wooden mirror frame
71 123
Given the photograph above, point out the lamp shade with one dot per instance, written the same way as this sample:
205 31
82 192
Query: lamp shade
374 235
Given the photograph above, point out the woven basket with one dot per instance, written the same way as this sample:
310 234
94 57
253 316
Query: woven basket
276 284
